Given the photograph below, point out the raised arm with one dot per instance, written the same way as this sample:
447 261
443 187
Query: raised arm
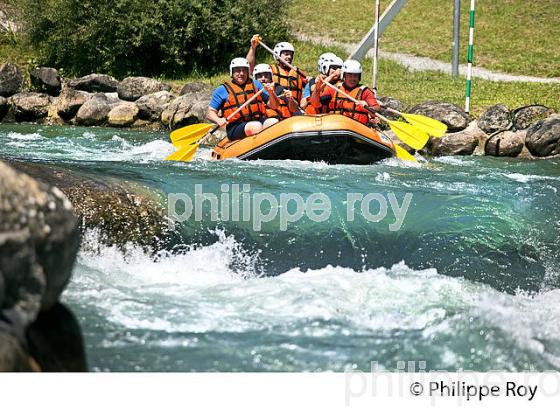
252 53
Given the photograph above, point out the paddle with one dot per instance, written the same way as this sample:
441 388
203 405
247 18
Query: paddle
432 127
407 133
271 51
193 134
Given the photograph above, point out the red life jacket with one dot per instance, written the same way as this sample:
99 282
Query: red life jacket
290 80
237 95
339 104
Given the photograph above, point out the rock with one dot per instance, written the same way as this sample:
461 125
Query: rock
450 114
185 110
460 143
94 111
543 137
11 79
523 117
45 79
505 144
121 212
123 114
69 102
393 103
3 107
94 83
132 88
495 118
39 240
152 105
196 87
30 106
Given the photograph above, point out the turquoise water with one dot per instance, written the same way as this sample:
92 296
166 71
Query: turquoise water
469 282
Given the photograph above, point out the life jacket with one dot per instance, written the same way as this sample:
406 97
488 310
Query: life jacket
283 110
339 104
324 109
290 80
237 95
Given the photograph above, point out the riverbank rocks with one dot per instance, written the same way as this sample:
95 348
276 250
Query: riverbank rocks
30 106
95 83
69 102
505 144
122 114
151 106
495 118
120 212
132 88
94 111
184 110
393 103
196 87
11 80
460 143
453 116
543 137
523 117
39 240
47 80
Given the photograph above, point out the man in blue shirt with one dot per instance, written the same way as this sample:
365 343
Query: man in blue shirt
231 95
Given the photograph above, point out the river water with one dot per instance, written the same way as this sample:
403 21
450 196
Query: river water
470 281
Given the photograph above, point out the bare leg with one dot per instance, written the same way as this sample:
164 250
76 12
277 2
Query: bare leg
252 128
269 122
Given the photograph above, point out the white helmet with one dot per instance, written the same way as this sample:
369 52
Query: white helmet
328 62
322 58
282 46
351 67
238 62
262 68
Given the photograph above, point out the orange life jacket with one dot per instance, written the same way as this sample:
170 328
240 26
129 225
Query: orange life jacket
339 104
237 95
290 80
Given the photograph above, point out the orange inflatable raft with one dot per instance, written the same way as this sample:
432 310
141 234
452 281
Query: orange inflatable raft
334 139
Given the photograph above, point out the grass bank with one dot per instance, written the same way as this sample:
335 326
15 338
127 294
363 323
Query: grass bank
512 36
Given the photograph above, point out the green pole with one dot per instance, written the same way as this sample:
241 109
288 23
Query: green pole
470 60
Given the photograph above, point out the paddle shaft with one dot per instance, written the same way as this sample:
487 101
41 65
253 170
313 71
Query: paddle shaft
291 67
356 101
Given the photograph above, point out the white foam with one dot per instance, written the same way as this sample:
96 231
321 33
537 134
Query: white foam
24 137
528 178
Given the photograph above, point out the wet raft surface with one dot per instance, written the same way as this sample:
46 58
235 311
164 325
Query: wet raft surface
470 281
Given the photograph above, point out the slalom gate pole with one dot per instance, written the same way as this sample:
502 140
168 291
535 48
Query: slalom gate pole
470 60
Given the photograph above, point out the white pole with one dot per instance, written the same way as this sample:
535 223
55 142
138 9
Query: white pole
470 60
376 46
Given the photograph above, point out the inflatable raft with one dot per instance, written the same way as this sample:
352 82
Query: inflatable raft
334 139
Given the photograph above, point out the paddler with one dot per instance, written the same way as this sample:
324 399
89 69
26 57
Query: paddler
325 98
329 67
231 95
281 97
290 79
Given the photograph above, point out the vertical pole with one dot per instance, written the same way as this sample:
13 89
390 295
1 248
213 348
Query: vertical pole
456 19
376 46
470 60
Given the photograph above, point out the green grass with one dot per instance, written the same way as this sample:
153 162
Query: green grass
512 36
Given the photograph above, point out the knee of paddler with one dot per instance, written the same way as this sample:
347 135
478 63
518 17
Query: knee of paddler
253 127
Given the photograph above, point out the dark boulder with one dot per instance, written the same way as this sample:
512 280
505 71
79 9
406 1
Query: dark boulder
185 110
47 80
95 83
495 118
452 115
30 106
151 106
196 87
460 143
132 88
543 137
523 117
69 102
39 240
11 79
3 107
505 144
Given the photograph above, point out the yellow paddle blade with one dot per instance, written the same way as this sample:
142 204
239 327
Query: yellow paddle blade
184 154
409 134
403 154
190 133
433 127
